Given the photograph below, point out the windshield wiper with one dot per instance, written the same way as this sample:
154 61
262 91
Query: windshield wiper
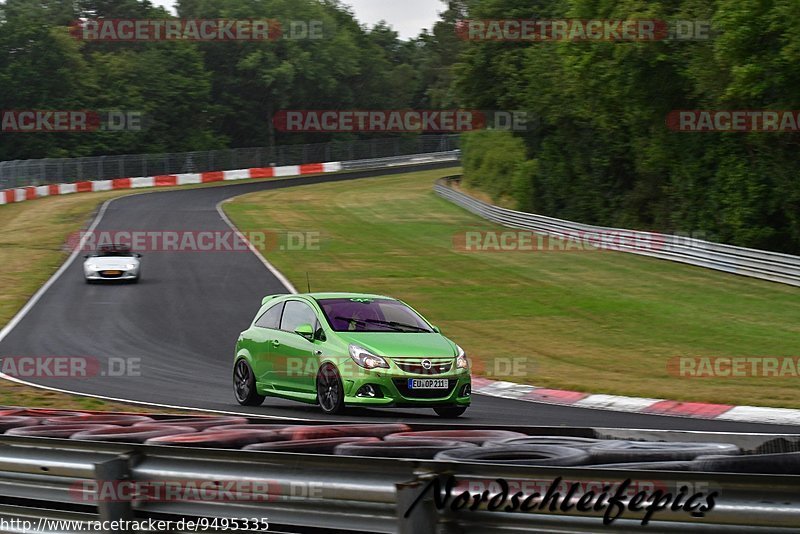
399 325
365 322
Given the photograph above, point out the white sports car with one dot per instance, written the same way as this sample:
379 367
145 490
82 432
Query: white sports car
112 262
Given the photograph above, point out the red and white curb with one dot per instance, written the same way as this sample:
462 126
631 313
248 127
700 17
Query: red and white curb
721 412
21 194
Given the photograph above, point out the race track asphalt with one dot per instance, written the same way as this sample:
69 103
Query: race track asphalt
184 317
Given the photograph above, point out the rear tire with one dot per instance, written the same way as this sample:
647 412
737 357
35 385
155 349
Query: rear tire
450 412
330 391
244 385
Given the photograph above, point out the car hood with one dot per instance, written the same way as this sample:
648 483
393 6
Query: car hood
112 262
394 344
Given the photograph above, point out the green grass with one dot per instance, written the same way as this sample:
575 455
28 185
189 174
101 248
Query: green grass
601 322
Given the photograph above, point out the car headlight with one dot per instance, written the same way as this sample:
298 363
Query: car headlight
366 359
130 266
461 359
94 267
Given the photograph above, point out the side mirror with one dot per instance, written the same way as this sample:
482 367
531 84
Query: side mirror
305 330
436 329
137 255
86 256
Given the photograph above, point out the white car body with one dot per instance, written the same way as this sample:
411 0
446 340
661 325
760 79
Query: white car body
124 267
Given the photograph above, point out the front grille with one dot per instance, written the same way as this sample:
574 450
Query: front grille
106 274
417 368
402 386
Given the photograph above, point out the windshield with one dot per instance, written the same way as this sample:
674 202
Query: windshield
113 251
372 315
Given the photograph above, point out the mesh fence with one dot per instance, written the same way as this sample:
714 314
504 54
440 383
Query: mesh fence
23 173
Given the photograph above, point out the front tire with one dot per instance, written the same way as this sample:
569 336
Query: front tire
450 412
330 391
244 385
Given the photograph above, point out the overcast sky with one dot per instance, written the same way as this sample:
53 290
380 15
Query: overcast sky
407 17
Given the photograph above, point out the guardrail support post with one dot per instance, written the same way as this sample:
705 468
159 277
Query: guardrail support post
415 512
113 472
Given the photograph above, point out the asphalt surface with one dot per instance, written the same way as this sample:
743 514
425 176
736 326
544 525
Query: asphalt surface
183 319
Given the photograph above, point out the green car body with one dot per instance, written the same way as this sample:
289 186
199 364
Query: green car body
343 349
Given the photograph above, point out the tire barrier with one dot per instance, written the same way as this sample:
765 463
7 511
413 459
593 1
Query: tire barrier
543 455
478 437
688 465
615 452
119 420
423 449
223 439
339 431
56 431
255 426
132 434
14 421
44 412
309 446
200 423
562 441
40 413
787 463
779 456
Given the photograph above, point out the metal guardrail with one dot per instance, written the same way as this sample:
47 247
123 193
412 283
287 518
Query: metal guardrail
772 266
23 173
47 478
400 161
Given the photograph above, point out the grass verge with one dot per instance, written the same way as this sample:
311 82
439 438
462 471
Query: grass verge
600 322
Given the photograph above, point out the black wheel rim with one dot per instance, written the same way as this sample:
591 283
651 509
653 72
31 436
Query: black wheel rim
242 380
328 390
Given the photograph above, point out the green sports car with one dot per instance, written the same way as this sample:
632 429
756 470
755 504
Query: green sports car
337 350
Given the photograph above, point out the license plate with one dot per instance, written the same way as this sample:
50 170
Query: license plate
112 273
427 383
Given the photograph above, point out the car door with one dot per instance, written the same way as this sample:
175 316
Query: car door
294 359
264 335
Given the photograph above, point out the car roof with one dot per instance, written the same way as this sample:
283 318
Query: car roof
323 296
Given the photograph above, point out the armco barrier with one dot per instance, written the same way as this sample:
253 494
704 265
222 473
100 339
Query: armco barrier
10 196
772 266
47 478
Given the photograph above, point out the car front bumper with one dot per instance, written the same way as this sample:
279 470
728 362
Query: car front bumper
395 393
98 275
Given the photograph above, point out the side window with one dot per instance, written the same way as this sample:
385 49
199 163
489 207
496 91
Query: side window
271 318
297 313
